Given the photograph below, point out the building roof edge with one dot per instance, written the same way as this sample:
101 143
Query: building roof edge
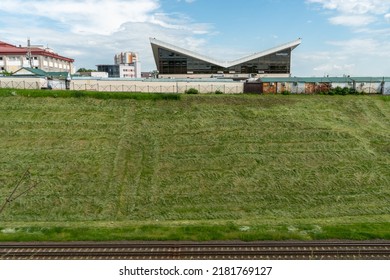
290 45
226 64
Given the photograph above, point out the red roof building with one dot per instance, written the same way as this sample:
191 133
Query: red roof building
12 58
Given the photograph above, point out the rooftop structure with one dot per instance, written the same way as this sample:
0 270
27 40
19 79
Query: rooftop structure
126 58
127 65
175 61
121 70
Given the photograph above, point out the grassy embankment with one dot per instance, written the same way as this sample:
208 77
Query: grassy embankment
202 167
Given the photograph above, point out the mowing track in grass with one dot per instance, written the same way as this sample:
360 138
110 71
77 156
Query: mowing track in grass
202 167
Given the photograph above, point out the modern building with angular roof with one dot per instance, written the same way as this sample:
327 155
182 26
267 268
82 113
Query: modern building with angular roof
173 61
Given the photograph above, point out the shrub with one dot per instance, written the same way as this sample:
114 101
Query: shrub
286 92
218 92
192 91
342 91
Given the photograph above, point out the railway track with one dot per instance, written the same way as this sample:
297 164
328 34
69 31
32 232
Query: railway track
327 250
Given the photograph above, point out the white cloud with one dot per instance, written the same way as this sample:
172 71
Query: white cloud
357 46
357 56
352 20
365 49
355 6
354 13
187 1
334 68
88 16
92 31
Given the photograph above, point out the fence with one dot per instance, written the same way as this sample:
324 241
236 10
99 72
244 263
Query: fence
122 85
180 87
374 87
17 83
156 86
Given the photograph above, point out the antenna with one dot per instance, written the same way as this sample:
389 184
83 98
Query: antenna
29 55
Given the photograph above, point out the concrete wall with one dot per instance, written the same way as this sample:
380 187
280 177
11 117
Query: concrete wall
180 86
314 87
374 87
23 82
155 86
386 88
294 87
123 85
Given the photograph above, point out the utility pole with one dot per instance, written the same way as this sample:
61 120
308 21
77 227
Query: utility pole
29 55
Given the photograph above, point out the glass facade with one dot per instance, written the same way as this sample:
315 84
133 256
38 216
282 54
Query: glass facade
170 62
112 70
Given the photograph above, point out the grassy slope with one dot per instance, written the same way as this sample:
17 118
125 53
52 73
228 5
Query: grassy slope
204 167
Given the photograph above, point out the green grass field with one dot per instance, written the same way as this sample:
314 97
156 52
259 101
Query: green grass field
199 167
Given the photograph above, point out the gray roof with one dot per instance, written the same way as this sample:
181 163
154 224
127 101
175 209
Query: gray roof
325 80
41 73
33 71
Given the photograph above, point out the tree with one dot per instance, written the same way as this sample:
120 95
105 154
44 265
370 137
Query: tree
6 73
86 70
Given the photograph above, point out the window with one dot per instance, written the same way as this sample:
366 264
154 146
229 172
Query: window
1 58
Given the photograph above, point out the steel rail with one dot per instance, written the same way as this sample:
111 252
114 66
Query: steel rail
192 250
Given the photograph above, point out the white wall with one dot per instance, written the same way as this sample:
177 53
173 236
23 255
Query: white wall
156 86
22 82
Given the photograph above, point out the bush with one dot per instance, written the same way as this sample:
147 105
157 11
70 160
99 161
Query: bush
286 92
218 92
342 91
192 91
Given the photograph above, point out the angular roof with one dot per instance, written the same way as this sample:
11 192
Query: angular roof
8 49
226 64
27 71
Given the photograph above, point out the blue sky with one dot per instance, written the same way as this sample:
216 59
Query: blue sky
340 37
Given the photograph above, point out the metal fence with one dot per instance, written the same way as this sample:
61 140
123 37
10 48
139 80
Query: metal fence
22 84
156 87
314 88
182 87
122 86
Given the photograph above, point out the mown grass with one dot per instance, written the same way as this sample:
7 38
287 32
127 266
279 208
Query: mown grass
200 168
4 92
197 232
